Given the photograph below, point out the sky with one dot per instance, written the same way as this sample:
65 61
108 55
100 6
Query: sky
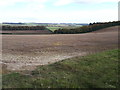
58 11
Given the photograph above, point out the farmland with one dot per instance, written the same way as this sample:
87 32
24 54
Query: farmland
59 44
61 60
26 52
64 27
49 26
53 28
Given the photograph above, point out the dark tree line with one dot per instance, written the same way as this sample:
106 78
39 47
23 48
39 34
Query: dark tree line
89 28
8 27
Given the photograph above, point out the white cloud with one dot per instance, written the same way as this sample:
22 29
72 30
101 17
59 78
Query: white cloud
95 1
82 16
29 8
33 12
66 2
12 2
63 2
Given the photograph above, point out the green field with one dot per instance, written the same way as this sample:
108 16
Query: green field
64 27
53 28
93 71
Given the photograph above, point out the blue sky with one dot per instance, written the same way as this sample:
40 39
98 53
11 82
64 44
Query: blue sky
58 11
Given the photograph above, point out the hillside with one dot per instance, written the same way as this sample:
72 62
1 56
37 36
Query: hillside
61 60
110 29
25 52
86 29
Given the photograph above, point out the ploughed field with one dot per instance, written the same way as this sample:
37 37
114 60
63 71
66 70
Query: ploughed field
25 52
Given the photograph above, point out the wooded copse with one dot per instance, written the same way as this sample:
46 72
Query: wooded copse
89 28
9 27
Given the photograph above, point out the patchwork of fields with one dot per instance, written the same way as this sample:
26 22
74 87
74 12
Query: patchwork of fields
25 52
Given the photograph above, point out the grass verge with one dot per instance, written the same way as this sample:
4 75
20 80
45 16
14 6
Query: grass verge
93 71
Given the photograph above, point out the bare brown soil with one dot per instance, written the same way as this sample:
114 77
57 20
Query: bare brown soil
25 52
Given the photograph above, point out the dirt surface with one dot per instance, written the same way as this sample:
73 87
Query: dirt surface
25 52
